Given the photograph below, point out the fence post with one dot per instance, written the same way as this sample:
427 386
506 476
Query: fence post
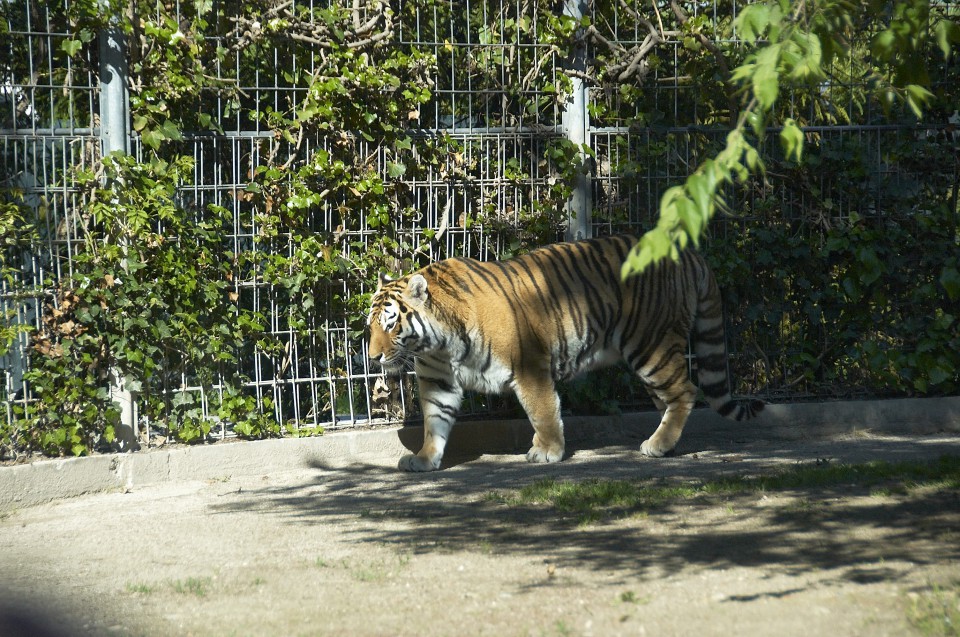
115 137
575 122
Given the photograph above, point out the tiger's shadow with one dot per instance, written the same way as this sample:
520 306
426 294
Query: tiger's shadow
471 503
472 440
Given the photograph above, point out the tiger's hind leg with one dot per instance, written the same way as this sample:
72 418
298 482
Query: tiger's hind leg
659 404
540 400
666 378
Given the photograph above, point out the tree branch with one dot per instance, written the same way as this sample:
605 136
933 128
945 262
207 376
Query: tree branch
717 55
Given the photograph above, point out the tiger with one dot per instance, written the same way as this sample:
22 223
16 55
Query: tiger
526 323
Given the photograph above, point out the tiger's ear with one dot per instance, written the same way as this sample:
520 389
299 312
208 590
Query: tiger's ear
417 288
383 278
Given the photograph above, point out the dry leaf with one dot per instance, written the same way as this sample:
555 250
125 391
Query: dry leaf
381 391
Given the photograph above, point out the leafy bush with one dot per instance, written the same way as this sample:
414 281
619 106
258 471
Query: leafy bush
861 293
150 299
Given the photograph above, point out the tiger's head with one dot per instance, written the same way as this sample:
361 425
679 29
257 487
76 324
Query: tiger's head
399 321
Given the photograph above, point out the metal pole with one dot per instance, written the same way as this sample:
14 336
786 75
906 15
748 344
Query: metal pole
114 115
575 122
115 138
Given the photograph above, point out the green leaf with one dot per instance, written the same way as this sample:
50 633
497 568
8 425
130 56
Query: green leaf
403 143
753 160
884 44
950 280
753 21
791 138
809 66
743 72
948 35
152 138
701 195
691 218
938 375
766 79
917 98
691 43
71 47
872 266
758 122
170 131
652 247
396 169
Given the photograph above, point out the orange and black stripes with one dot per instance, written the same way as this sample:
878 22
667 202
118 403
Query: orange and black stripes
558 311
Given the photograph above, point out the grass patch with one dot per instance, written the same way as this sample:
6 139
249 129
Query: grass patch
369 574
899 477
629 597
595 499
936 612
375 570
196 586
378 571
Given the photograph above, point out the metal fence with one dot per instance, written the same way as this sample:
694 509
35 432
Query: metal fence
487 86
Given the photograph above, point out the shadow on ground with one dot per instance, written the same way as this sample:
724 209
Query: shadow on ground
844 529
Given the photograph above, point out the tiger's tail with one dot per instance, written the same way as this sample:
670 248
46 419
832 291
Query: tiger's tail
709 344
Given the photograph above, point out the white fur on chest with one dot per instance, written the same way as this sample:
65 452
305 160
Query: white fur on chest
492 376
473 371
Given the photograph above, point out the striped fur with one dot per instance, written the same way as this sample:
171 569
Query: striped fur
525 323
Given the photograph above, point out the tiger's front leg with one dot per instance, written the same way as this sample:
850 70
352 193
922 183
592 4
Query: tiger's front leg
440 400
540 400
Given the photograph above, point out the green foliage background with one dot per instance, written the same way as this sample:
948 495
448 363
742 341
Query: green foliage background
840 279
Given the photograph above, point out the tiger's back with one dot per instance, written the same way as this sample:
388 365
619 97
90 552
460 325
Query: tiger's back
522 324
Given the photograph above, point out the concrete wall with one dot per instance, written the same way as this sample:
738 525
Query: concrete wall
48 480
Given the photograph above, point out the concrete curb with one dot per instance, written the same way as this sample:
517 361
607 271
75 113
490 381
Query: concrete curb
48 480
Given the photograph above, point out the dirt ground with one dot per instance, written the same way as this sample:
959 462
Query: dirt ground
366 550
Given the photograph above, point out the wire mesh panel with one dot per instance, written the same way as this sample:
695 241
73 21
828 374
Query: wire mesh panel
47 132
492 112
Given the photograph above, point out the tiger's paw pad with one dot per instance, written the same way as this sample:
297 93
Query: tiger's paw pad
538 454
412 462
652 450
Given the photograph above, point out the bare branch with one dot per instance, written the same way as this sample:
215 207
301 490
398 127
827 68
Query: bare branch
717 55
630 62
378 28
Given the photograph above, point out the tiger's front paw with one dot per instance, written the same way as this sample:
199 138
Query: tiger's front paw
652 449
539 454
411 462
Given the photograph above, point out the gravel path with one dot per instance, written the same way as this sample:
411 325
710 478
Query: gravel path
366 550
